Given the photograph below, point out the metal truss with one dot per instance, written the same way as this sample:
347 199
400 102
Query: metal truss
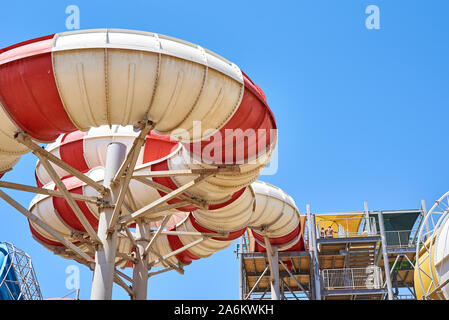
274 281
425 246
142 239
26 279
401 280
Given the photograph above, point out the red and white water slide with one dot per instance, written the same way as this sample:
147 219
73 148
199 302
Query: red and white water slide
80 91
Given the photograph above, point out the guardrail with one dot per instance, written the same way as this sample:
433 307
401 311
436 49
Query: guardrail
399 239
405 297
340 228
352 278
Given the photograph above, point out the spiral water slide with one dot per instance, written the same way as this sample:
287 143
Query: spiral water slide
190 120
431 275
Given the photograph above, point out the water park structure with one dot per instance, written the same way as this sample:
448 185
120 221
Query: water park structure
154 149
18 279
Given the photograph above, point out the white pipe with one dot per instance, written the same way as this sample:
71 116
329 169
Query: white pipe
103 278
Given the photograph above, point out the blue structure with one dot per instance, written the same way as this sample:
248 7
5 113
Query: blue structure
9 286
18 280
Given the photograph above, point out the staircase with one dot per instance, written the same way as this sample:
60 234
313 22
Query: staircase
361 254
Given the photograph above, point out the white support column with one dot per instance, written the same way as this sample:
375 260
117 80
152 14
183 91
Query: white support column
140 270
385 256
368 224
241 271
105 254
313 248
275 283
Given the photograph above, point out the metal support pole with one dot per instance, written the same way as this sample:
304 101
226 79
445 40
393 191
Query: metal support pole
421 219
240 253
314 251
140 270
257 282
368 224
385 255
103 278
275 283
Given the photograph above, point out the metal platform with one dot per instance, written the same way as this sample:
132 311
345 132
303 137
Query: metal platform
348 265
256 275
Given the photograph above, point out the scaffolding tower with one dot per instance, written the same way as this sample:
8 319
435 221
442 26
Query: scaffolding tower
18 281
347 263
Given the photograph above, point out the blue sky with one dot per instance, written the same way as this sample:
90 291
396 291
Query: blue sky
362 114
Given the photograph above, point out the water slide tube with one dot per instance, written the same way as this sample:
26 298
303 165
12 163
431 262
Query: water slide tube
257 206
8 289
441 258
434 270
427 272
205 112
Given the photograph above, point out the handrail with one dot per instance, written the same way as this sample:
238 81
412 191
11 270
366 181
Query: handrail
352 278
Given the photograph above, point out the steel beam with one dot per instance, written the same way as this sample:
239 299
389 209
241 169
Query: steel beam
160 187
257 283
122 284
194 243
68 197
293 277
273 261
26 140
193 233
314 251
44 226
167 197
158 232
150 274
167 263
126 169
159 207
385 256
366 211
131 157
140 270
187 172
105 255
48 192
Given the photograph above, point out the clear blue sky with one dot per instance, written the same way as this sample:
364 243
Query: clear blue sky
362 114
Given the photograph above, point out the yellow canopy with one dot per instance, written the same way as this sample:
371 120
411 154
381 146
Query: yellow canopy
350 223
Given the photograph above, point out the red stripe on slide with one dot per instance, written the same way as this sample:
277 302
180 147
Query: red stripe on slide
34 46
66 213
232 235
280 240
169 183
38 182
185 257
259 248
288 264
245 135
42 238
234 197
71 150
28 90
299 246
158 146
